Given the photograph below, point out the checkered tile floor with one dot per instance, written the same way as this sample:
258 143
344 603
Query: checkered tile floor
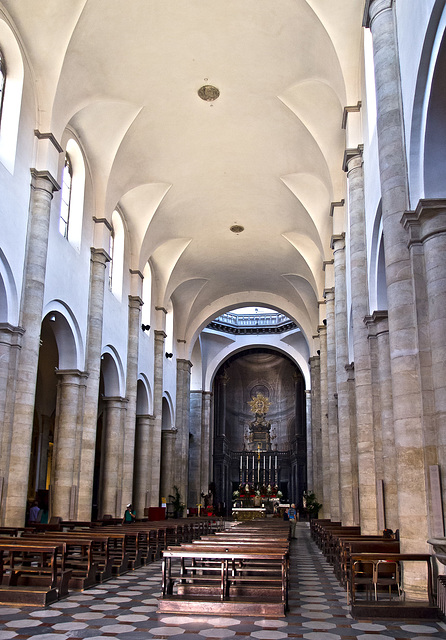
125 609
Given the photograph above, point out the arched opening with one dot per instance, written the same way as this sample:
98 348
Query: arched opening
435 138
259 431
108 454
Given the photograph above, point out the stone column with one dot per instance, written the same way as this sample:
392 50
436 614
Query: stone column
64 484
335 507
168 459
403 339
309 438
363 376
10 341
195 452
155 462
134 329
427 227
344 427
182 425
379 328
42 187
316 483
325 436
99 259
206 442
144 426
112 457
350 370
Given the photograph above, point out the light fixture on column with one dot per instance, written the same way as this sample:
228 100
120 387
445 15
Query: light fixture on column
145 327
169 355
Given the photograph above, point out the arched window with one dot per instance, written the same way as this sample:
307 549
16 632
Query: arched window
11 88
72 194
65 203
2 82
147 295
116 266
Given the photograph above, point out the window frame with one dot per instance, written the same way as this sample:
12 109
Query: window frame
65 204
3 75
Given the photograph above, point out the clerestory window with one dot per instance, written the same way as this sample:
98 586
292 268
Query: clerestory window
65 204
2 82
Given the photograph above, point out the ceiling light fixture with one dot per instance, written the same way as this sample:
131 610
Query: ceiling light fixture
208 93
236 228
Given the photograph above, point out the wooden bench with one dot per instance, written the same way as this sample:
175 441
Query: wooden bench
231 580
361 574
31 574
391 609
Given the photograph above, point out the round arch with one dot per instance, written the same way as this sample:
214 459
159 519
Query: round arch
112 372
9 307
67 335
234 348
248 299
143 396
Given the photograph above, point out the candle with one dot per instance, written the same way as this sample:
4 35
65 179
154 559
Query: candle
241 463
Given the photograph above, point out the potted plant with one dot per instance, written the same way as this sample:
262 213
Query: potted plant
311 505
176 503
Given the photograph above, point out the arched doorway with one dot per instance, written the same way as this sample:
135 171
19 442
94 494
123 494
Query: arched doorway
262 446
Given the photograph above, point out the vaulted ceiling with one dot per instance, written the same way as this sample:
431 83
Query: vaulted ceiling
265 155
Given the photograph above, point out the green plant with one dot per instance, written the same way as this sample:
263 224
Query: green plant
177 505
310 503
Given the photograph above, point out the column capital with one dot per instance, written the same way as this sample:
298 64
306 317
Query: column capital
159 335
329 293
337 242
377 323
372 9
353 159
184 362
135 302
314 360
428 219
100 256
69 375
44 180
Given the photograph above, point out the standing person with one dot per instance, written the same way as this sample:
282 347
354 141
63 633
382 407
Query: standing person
34 513
292 516
129 515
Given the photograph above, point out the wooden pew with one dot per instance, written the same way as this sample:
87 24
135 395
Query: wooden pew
361 573
31 573
232 579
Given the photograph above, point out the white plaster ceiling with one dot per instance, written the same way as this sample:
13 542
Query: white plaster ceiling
267 154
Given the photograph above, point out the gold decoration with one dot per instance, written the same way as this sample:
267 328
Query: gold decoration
259 404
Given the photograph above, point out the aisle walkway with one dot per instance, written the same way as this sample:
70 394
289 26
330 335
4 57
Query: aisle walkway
125 609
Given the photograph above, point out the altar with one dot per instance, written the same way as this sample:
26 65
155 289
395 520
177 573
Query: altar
248 513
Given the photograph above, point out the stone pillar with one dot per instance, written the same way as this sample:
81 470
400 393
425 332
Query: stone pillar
10 341
325 437
427 227
144 426
335 507
379 328
403 339
182 425
168 459
64 483
316 483
155 462
363 375
195 452
99 259
112 457
309 438
206 442
42 187
344 427
350 370
134 329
